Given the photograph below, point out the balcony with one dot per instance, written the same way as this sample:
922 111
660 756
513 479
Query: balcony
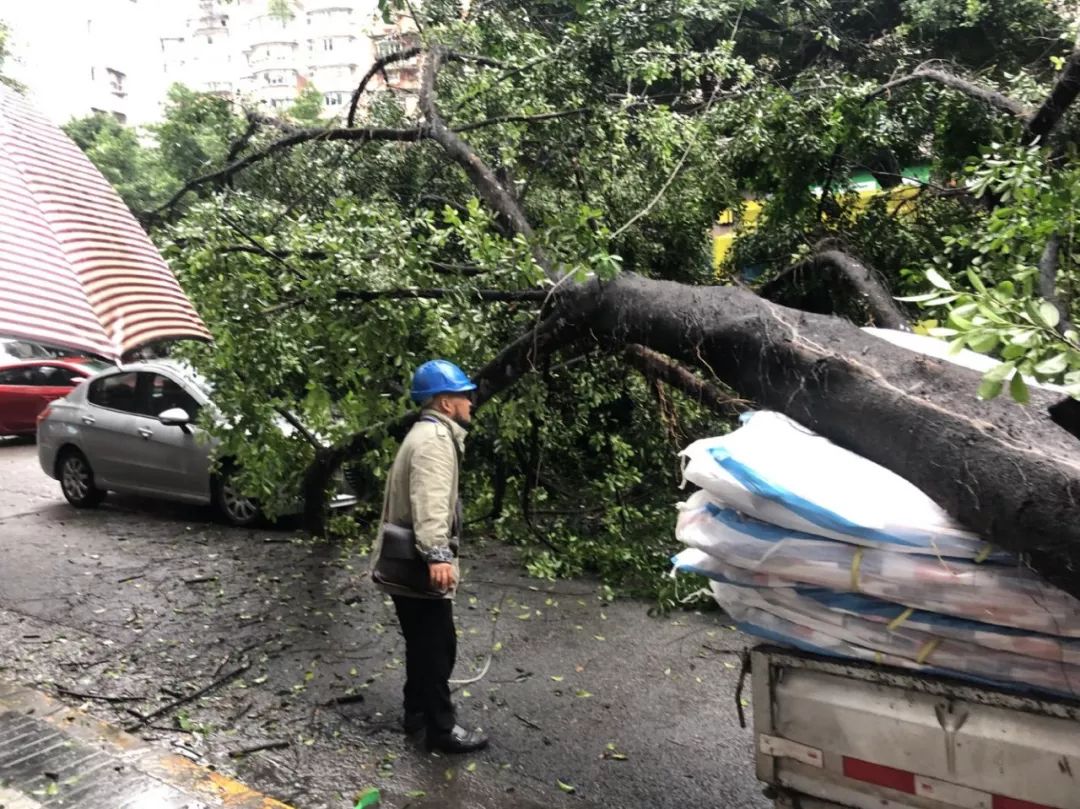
335 50
272 52
332 21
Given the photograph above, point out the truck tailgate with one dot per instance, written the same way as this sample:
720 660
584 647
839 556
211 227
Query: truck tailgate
869 737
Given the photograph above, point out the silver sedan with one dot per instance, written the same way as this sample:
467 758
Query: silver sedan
132 429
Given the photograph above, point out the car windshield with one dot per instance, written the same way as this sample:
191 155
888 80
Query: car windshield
22 350
94 366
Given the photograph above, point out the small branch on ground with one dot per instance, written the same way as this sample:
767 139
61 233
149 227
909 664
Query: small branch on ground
145 719
67 692
347 699
256 748
527 722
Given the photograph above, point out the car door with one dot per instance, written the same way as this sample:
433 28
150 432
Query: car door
18 400
174 461
53 381
107 431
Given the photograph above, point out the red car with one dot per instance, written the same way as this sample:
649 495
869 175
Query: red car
27 387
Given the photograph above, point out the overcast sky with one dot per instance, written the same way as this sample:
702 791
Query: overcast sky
56 42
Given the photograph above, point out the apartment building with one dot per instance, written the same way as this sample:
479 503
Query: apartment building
263 54
77 57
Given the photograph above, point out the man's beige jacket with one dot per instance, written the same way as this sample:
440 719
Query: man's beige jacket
422 492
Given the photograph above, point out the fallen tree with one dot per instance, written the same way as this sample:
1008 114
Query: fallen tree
521 195
1005 470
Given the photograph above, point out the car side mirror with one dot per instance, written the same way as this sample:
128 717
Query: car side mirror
175 417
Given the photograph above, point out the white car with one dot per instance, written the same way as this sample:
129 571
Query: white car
132 429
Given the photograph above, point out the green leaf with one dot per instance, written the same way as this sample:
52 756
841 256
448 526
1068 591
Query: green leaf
936 278
1019 389
975 281
983 342
990 388
1000 373
925 296
566 787
1049 314
1057 364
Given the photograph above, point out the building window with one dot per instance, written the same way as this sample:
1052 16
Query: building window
328 44
116 82
388 45
93 77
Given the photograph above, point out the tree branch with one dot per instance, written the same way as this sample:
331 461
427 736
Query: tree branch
1049 262
241 142
300 136
300 427
482 177
484 61
377 67
437 293
995 99
864 281
1065 91
522 119
417 293
655 366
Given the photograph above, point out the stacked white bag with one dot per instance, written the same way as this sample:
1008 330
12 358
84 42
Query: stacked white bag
813 546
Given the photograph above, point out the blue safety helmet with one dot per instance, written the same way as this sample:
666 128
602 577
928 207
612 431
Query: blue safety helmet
439 376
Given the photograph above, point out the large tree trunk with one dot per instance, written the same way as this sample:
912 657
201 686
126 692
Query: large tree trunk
1004 470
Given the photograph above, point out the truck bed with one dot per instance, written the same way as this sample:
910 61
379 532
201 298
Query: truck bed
842 733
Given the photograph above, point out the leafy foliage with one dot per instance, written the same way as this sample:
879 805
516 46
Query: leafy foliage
986 279
136 171
623 130
5 54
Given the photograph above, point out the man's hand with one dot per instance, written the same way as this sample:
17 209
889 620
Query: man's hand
442 576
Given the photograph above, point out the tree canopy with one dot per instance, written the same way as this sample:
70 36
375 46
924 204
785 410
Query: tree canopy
544 216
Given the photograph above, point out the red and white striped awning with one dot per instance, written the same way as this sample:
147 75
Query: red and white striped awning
76 268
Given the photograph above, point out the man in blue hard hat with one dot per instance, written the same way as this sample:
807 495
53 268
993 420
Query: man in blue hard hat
415 554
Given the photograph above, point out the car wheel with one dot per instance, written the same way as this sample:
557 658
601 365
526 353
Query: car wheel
77 480
237 508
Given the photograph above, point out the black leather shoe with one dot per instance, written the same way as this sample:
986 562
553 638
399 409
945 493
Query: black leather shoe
413 722
457 740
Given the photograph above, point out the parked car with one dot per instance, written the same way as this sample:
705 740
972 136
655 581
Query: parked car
13 349
132 429
26 388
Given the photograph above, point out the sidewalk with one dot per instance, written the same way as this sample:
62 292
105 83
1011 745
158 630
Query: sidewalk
55 756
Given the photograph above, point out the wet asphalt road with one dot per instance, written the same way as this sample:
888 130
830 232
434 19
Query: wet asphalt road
137 605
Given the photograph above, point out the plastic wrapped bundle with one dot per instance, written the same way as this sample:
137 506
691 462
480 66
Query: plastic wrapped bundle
894 616
1006 595
777 471
901 640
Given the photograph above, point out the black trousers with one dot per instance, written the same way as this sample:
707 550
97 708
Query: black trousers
430 654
